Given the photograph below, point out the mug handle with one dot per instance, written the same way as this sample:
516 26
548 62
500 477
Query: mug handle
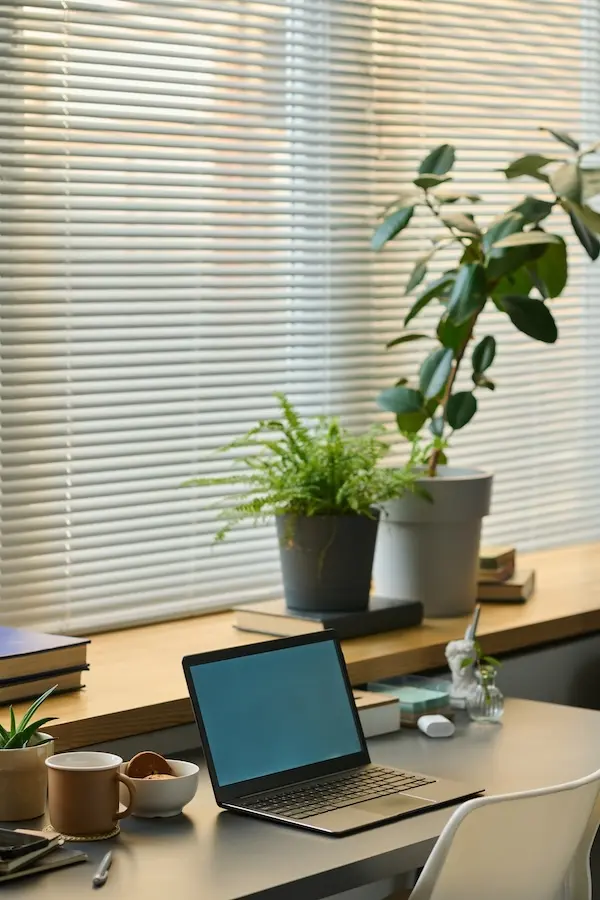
131 788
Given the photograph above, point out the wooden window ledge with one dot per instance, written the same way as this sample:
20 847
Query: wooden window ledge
136 684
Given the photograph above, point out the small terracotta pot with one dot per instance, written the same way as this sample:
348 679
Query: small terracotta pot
24 780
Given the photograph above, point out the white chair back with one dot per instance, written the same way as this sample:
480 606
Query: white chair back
515 847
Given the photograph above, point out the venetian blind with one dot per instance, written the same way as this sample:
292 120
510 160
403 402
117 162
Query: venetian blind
188 193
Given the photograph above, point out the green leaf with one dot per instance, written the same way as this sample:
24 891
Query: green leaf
405 339
411 423
439 161
437 288
409 197
492 661
566 182
533 209
462 222
563 137
467 661
417 275
468 294
527 165
445 196
483 354
590 183
501 262
13 723
460 409
430 181
435 371
532 317
585 236
514 282
35 706
552 269
391 227
502 227
22 737
526 239
400 400
588 216
451 335
483 382
436 426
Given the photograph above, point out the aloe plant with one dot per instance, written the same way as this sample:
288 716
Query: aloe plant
17 736
513 265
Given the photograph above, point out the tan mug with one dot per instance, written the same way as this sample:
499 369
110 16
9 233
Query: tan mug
83 792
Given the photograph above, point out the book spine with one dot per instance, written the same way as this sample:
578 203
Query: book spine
377 720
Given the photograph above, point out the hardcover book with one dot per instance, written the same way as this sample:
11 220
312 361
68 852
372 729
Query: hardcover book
272 617
24 653
13 690
496 563
517 589
379 713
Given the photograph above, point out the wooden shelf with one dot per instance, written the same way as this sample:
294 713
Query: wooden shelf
136 683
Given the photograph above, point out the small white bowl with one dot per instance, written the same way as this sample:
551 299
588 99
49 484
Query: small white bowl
159 799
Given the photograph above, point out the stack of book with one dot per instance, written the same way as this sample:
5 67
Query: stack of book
379 713
32 662
44 853
500 580
415 698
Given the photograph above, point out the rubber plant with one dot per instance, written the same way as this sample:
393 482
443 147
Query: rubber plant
515 265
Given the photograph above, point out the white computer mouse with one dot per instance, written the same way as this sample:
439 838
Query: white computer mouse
436 726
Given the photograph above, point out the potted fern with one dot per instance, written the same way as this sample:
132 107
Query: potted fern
23 774
513 266
323 485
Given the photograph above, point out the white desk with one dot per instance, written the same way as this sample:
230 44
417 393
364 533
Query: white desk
212 855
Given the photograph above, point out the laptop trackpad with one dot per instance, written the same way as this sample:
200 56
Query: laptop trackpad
392 805
368 813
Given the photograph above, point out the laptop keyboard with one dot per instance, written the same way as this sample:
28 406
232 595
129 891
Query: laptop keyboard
318 797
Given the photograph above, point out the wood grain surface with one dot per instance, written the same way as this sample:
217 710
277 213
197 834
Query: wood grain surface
136 685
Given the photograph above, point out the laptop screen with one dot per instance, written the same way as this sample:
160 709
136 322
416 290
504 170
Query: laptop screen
276 710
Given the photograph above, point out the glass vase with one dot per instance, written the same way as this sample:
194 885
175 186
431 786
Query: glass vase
485 701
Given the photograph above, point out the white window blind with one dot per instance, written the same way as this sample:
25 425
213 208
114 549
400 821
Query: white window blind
187 196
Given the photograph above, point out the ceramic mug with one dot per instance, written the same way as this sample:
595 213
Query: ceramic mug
83 792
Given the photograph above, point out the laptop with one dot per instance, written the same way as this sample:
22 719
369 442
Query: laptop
283 740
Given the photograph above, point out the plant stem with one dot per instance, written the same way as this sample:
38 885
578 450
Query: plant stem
435 456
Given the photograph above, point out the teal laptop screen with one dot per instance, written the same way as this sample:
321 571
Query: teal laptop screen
274 711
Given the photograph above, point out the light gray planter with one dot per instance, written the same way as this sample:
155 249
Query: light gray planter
430 551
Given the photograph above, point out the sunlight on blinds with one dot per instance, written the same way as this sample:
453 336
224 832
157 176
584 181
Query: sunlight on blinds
188 194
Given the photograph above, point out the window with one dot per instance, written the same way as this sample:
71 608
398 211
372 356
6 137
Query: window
188 193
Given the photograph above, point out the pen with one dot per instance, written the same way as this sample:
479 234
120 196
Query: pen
102 871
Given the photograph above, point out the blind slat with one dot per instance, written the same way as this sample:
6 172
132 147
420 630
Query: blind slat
187 197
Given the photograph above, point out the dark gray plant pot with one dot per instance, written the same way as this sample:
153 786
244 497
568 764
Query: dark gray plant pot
326 561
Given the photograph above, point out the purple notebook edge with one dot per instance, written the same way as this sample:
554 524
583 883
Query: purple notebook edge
16 642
